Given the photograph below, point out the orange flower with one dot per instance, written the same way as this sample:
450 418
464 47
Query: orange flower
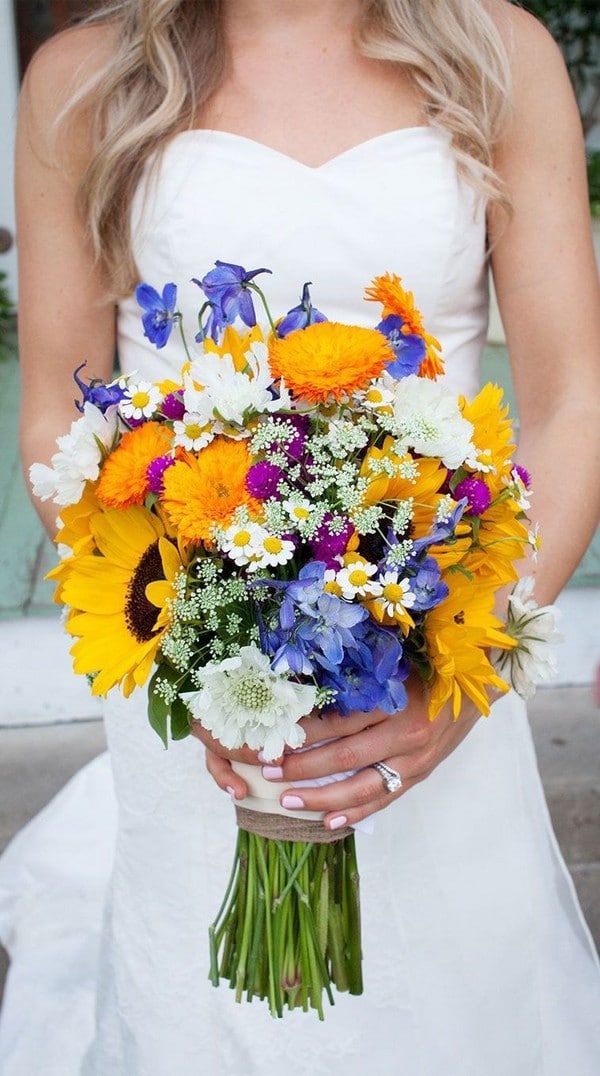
328 361
388 291
123 480
204 490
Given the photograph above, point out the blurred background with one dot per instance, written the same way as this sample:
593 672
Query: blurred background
49 725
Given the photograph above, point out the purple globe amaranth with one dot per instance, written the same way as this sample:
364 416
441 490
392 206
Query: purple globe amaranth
523 475
173 406
327 545
155 473
477 494
294 448
262 480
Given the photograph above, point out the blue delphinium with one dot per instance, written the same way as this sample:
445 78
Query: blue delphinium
408 348
97 392
227 289
299 317
372 672
427 586
159 311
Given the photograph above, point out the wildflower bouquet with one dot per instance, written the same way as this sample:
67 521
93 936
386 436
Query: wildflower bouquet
295 523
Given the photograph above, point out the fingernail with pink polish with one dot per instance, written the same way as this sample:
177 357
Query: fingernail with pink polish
231 791
337 823
293 803
272 773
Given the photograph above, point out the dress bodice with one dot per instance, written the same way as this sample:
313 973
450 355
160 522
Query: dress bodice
395 203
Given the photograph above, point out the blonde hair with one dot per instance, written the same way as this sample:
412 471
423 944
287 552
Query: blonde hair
170 58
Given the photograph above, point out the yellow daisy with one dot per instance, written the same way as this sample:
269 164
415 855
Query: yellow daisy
492 435
329 361
416 479
120 599
388 291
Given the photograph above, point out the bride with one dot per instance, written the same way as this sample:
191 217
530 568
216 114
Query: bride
330 141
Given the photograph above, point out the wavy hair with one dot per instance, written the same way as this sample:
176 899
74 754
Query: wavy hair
171 57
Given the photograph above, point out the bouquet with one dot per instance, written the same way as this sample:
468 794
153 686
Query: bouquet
296 522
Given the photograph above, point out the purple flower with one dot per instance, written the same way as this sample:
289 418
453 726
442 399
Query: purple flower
173 406
300 316
155 472
408 348
97 392
227 288
159 312
477 494
523 475
327 545
295 446
262 480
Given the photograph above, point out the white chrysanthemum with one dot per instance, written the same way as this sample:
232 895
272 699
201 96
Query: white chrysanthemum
141 400
535 629
428 420
396 596
242 701
271 551
231 394
193 431
355 580
78 458
241 542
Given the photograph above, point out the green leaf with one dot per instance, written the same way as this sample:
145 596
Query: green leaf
180 720
158 710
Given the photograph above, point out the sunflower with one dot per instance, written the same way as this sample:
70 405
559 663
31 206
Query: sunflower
75 522
418 480
329 361
457 633
120 599
492 435
501 541
388 291
203 491
123 480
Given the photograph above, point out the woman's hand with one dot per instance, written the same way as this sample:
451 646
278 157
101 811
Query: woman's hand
407 741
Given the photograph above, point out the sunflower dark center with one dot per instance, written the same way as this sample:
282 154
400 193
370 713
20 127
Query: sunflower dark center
140 614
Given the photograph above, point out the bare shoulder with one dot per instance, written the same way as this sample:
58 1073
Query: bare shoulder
537 66
59 70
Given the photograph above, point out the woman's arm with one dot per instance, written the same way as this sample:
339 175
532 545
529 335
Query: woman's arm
547 287
64 317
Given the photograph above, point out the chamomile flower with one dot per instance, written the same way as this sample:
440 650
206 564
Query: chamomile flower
271 551
534 539
193 431
520 491
377 396
396 596
141 400
241 542
355 580
297 508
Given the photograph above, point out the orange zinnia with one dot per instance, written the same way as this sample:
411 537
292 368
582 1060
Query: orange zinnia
329 361
388 291
203 491
124 477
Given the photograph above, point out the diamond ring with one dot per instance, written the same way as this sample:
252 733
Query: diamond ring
391 778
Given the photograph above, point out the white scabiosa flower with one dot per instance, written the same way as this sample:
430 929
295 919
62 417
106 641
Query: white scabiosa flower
242 701
535 629
354 580
193 431
141 400
78 458
428 420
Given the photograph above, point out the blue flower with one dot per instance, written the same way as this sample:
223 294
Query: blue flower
97 392
408 348
427 586
300 316
159 312
372 673
443 529
226 287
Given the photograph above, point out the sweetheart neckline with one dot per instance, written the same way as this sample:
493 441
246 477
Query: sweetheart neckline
350 152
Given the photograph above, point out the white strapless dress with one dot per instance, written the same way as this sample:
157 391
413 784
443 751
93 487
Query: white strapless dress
477 961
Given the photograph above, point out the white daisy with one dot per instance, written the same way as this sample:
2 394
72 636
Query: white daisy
271 551
141 400
241 542
242 701
193 431
354 580
297 508
396 596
